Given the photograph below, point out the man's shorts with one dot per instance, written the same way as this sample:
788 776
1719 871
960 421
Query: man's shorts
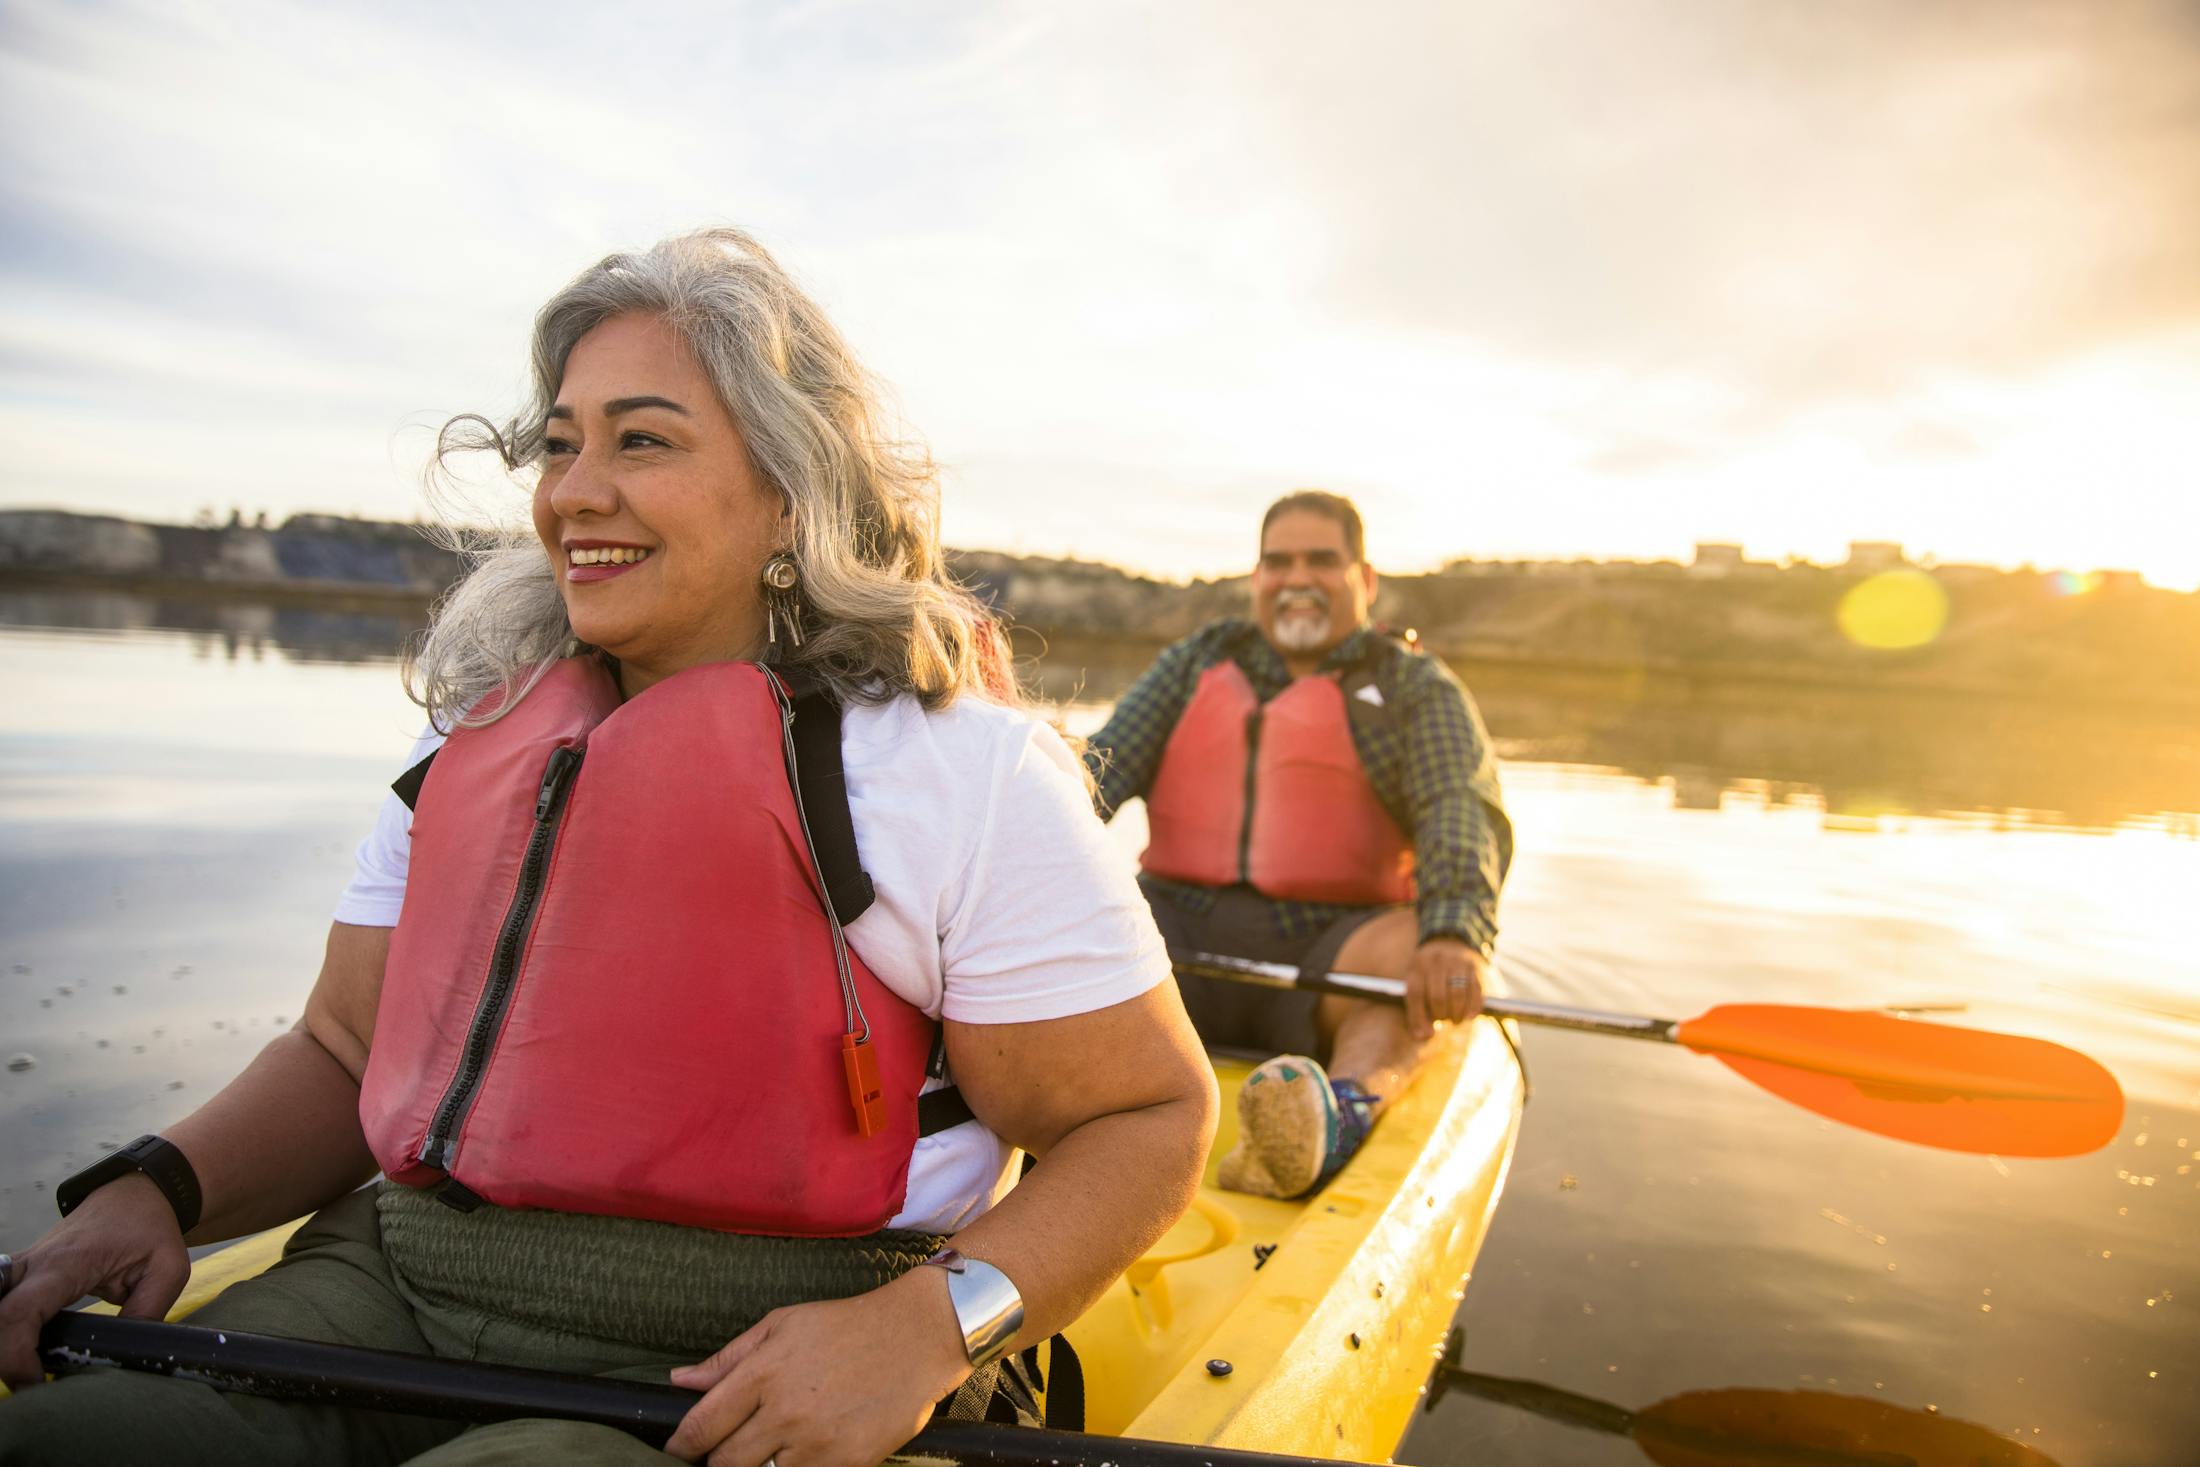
1246 1016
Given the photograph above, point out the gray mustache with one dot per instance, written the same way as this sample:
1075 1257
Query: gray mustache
1292 600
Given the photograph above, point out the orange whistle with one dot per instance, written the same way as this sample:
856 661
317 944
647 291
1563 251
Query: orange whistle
864 1091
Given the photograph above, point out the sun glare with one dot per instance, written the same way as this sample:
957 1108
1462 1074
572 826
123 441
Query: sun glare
1893 610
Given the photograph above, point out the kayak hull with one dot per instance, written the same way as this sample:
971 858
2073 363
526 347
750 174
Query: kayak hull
1329 1313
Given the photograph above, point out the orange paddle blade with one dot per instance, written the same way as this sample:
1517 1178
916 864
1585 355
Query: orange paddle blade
1962 1089
1728 1427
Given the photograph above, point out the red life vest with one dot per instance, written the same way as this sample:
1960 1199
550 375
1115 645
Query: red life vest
1315 831
613 989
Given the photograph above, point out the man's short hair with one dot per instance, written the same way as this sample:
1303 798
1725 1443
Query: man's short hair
1329 506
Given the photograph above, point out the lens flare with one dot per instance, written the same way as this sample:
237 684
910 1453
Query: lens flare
2074 583
1893 610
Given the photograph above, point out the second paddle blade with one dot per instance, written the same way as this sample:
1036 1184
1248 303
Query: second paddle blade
1960 1089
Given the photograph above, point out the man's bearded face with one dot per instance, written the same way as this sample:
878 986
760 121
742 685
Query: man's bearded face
1309 592
1302 620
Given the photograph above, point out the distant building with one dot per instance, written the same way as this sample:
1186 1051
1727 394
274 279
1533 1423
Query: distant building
1869 557
1696 789
1715 559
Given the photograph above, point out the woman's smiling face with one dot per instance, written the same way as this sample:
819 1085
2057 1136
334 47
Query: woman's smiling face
655 521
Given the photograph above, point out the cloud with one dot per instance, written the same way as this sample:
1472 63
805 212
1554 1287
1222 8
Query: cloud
1501 271
1924 438
1629 456
1809 200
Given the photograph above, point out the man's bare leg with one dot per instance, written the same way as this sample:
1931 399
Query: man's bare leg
1367 1041
1295 1128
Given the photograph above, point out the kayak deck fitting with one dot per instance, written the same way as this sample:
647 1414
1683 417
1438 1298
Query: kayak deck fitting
1306 1327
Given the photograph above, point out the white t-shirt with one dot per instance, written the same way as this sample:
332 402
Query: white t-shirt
1000 898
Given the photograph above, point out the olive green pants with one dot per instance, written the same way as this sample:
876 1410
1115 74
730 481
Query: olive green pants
388 1279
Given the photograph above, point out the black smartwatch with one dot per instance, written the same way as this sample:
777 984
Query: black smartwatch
162 1163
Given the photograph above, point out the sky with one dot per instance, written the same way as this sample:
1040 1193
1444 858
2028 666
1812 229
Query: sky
1542 279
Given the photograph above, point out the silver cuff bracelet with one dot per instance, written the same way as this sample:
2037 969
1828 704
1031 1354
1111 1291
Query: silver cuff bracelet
987 1305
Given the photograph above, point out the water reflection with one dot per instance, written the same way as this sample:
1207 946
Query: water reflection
316 630
1854 756
1726 1428
1669 1235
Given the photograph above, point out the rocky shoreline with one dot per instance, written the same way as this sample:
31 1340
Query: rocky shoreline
2021 634
305 555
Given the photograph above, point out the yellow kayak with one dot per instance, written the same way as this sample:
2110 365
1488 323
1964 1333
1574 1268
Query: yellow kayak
1328 1313
1306 1327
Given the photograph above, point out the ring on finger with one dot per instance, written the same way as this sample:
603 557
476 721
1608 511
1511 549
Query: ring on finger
7 1272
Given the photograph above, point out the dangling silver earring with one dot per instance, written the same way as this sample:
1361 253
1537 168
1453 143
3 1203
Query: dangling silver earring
781 577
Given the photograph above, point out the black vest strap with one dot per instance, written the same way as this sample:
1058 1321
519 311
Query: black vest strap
407 785
1355 682
942 1110
1063 1383
824 790
1066 1388
1362 716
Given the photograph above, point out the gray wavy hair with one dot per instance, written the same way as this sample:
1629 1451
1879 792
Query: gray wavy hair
880 615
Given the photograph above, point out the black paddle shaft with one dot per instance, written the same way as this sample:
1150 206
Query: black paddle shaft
361 1379
1393 991
420 1385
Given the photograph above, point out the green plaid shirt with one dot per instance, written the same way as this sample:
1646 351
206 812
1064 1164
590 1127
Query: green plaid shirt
1430 764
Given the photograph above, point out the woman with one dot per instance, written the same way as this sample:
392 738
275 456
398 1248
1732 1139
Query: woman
641 1058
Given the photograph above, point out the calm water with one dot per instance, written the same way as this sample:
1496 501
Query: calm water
181 787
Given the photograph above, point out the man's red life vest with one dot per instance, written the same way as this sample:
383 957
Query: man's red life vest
612 988
1274 796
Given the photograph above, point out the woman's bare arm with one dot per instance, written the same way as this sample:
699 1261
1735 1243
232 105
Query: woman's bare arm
1121 1105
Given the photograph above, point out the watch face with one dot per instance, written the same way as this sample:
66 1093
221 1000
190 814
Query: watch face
161 1163
91 1179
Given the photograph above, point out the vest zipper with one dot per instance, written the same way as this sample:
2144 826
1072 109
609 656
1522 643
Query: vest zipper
1252 766
440 1148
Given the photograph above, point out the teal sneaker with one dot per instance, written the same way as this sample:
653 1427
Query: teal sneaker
1296 1129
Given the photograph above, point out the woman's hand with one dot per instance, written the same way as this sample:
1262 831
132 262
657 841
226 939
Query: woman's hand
839 1384
122 1244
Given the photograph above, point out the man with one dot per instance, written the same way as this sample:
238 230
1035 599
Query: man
1320 793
